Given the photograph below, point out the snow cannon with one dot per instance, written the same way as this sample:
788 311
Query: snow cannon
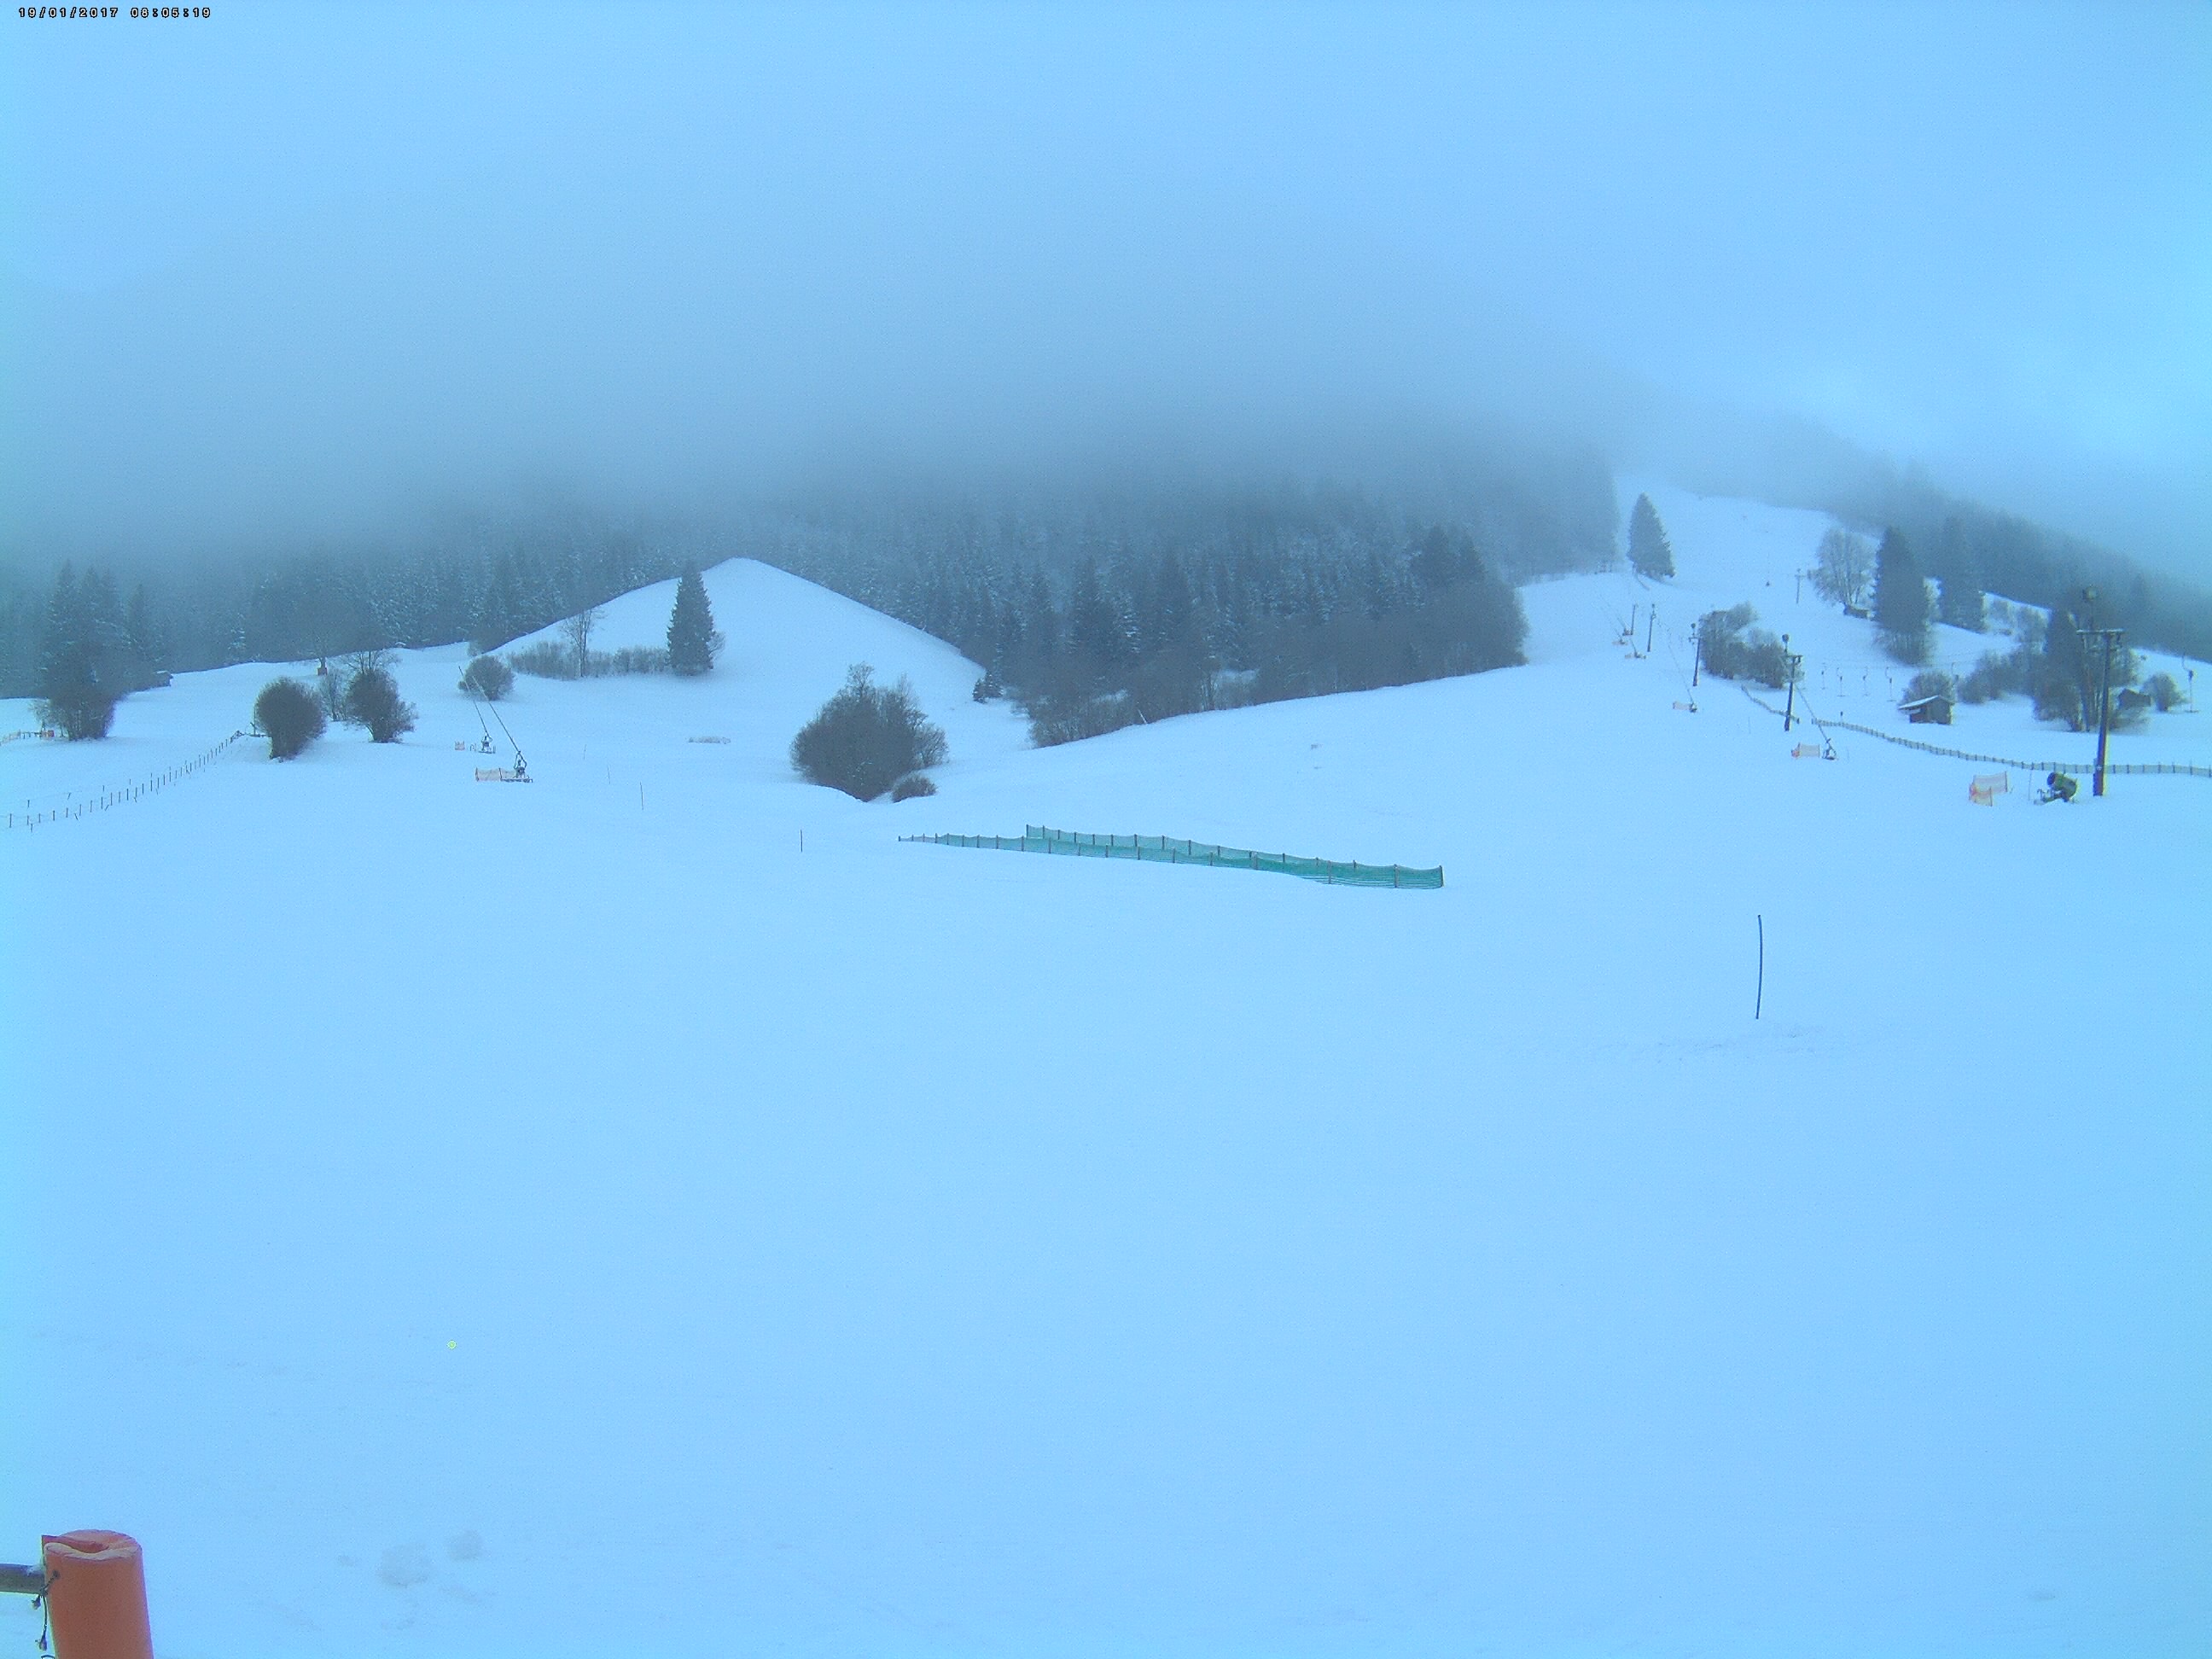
95 1586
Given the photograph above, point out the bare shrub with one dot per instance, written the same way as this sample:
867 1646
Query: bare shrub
913 786
546 660
577 630
630 659
1990 678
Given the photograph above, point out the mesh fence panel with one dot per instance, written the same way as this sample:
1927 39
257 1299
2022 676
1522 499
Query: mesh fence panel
1168 850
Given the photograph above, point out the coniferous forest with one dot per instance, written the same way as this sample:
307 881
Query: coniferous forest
1091 606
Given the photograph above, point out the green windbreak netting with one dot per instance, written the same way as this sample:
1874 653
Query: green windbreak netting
1166 850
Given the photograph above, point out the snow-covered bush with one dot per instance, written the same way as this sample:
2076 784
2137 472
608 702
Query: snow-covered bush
1930 683
81 712
488 677
372 700
913 786
866 737
1733 650
287 714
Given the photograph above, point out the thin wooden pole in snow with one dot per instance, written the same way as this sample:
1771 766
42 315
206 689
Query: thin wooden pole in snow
1759 1005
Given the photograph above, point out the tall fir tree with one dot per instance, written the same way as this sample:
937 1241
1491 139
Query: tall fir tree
1901 611
2060 678
146 637
498 617
1957 578
1094 627
74 694
692 641
1649 549
63 656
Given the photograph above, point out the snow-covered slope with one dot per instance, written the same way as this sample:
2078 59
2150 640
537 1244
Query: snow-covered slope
449 1217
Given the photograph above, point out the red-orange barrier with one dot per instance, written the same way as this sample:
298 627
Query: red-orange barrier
97 1596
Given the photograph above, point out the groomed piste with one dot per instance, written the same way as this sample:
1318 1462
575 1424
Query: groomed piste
1167 849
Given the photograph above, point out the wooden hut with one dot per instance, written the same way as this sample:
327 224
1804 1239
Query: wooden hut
1934 709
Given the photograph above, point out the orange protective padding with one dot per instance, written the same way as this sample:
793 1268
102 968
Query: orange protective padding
96 1596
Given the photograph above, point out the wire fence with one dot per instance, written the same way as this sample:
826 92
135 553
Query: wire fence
107 799
1168 850
2140 768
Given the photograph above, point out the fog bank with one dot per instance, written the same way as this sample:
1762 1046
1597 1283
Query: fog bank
292 270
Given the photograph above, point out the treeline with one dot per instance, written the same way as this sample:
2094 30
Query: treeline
1969 551
1102 609
294 608
2046 661
1094 607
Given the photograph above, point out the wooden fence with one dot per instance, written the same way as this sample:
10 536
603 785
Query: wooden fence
108 800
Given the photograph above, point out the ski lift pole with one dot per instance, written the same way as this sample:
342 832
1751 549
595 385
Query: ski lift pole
521 766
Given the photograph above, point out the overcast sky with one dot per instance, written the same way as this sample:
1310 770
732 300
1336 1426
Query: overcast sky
289 267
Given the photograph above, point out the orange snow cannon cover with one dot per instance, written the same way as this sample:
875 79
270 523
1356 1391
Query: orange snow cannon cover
97 1596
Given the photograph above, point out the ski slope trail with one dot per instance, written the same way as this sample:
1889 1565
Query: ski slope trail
460 1218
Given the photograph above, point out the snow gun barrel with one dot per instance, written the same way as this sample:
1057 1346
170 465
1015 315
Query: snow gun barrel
95 1586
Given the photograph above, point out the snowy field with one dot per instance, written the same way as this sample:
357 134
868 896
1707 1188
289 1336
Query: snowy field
450 1218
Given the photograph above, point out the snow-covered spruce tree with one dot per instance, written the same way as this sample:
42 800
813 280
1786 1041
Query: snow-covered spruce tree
1901 610
75 697
1649 549
1959 602
287 714
866 737
2066 677
692 641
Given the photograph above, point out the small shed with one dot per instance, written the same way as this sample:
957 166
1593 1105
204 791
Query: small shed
1934 709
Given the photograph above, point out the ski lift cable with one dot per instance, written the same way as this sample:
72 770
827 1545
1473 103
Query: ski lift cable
1675 657
486 747
521 766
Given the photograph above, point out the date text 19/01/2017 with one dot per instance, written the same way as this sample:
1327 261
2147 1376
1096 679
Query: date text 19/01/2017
63 13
